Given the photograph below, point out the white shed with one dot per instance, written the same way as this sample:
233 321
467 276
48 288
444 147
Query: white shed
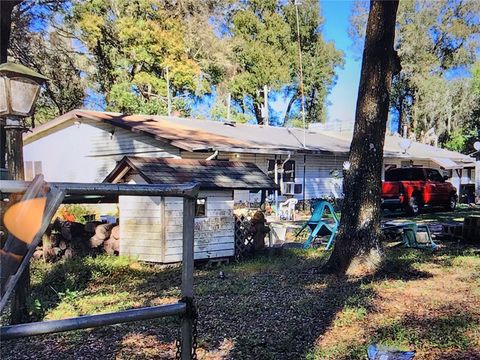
151 227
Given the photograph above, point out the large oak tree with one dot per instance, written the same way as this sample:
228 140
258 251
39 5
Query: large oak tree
359 236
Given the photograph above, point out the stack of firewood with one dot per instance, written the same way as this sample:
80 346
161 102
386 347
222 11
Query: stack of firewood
65 239
112 244
106 237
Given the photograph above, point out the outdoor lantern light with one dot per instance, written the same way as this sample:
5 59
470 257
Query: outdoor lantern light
19 89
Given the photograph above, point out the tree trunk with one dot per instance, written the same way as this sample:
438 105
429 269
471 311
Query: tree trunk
358 244
289 108
400 117
258 112
6 8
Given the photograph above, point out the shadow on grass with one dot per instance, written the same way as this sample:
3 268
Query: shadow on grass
265 308
442 332
434 215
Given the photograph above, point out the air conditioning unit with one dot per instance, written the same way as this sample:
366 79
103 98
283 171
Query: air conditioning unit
290 188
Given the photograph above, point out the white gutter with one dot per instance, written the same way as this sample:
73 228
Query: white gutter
213 156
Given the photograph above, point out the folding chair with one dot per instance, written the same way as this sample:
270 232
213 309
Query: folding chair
320 227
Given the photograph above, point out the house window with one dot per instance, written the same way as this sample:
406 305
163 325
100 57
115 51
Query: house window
288 170
32 168
201 207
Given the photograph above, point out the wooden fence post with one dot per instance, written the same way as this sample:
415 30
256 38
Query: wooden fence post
187 276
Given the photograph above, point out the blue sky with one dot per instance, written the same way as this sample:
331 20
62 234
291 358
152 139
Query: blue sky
343 97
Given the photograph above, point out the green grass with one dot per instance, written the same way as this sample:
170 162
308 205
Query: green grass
267 307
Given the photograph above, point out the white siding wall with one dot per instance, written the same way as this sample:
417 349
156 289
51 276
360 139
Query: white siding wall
318 179
214 233
141 227
151 228
87 153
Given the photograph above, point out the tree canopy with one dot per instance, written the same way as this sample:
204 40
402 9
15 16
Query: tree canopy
124 52
438 43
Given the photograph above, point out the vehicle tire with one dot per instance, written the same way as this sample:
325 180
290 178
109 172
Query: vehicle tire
452 203
414 206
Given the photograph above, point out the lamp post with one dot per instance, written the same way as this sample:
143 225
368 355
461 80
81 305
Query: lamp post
19 90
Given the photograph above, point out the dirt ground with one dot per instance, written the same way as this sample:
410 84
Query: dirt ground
277 307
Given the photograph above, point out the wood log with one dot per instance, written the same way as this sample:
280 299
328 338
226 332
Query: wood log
103 231
116 232
68 253
95 241
108 246
116 245
38 254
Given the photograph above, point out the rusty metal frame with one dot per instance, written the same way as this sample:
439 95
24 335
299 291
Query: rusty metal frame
183 308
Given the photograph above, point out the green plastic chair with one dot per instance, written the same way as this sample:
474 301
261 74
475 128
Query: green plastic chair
319 227
414 235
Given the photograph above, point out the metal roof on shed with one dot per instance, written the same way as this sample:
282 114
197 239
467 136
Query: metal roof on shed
209 174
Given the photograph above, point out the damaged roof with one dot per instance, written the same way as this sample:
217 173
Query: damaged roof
209 174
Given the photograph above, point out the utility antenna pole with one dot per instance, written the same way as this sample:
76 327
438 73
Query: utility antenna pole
265 99
229 100
302 94
169 99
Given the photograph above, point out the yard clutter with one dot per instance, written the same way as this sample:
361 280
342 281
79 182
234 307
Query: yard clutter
66 239
471 229
259 229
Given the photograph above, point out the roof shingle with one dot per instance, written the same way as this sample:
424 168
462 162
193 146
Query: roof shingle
209 174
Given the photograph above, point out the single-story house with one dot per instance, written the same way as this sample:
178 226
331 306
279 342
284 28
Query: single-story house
84 146
151 227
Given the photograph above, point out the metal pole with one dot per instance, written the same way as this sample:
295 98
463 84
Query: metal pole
180 190
169 99
229 100
302 93
265 99
187 276
90 321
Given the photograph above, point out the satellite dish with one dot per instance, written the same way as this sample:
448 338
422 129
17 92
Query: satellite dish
405 144
476 145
